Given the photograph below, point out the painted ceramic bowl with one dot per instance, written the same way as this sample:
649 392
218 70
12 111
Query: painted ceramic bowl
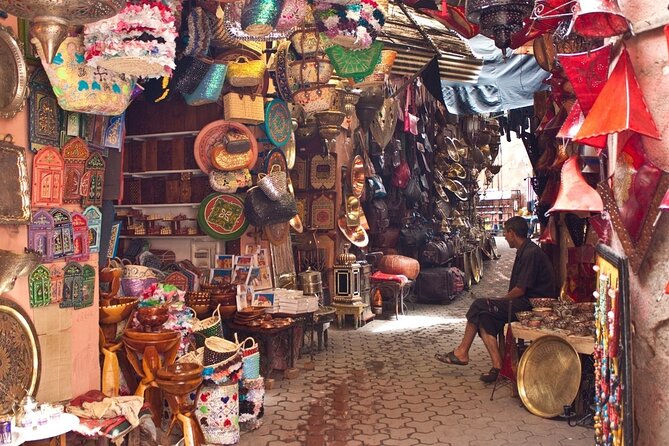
542 302
524 315
542 311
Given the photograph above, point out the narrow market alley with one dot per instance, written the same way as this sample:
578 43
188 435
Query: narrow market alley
380 385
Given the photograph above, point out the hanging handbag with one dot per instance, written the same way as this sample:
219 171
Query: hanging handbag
376 187
435 253
209 89
246 73
414 233
190 72
412 193
199 33
261 211
376 212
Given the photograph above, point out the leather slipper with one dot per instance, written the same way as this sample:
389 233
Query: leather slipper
449 358
491 376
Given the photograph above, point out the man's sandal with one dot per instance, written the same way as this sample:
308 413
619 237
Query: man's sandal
449 358
490 376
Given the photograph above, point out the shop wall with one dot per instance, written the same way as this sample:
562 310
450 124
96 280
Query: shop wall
68 338
650 308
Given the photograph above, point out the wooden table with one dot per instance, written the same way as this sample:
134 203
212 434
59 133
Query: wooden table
267 340
582 344
53 433
354 310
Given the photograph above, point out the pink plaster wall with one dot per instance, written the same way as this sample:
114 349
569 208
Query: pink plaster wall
68 338
650 308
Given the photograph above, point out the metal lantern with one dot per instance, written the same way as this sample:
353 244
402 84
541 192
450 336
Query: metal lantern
347 278
50 19
499 19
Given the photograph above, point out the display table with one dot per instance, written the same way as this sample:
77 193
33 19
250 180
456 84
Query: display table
269 344
582 344
54 430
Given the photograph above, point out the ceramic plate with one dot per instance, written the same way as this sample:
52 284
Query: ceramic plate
212 134
221 216
278 122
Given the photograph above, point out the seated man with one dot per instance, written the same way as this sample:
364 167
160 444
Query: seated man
531 276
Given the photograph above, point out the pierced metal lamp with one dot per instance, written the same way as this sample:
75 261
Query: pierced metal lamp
499 19
50 19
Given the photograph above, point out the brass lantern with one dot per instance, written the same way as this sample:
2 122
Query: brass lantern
50 19
499 19
347 278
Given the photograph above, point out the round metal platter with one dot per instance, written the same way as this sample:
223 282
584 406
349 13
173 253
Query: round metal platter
549 375
19 355
275 159
212 134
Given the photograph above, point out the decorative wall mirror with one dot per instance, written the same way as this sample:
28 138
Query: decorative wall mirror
87 289
40 235
80 237
56 284
94 218
48 167
13 75
63 242
39 285
75 154
92 182
14 187
45 116
73 284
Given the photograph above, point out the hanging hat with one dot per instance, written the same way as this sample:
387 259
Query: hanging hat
575 193
599 18
573 124
587 73
620 106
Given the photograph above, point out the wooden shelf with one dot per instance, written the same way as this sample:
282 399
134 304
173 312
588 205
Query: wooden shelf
165 135
158 173
203 237
160 205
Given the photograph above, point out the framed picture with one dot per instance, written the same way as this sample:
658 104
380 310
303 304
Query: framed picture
114 240
323 211
15 190
240 275
263 299
24 36
245 260
221 276
203 254
261 277
224 261
244 296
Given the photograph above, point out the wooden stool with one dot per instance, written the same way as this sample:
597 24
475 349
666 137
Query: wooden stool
355 310
395 291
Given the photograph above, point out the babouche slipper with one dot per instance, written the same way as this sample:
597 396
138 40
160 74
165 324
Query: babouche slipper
490 376
449 358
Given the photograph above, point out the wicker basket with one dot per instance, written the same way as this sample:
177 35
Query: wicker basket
207 328
218 350
244 108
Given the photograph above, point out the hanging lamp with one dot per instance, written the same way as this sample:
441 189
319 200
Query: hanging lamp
50 19
499 19
599 18
575 194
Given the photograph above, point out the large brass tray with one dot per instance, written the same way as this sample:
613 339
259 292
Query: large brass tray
19 355
549 375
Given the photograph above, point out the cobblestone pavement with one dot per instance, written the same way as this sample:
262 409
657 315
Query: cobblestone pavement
380 385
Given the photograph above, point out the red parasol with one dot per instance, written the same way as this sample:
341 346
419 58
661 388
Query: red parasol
620 106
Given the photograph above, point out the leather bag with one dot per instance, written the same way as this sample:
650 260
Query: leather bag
435 253
376 212
435 285
414 233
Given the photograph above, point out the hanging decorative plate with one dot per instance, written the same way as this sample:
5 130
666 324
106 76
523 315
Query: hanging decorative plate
20 367
323 212
14 73
323 171
221 216
278 122
275 159
290 151
282 81
213 134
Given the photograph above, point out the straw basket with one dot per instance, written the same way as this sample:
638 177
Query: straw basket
207 328
250 358
244 108
217 411
217 350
